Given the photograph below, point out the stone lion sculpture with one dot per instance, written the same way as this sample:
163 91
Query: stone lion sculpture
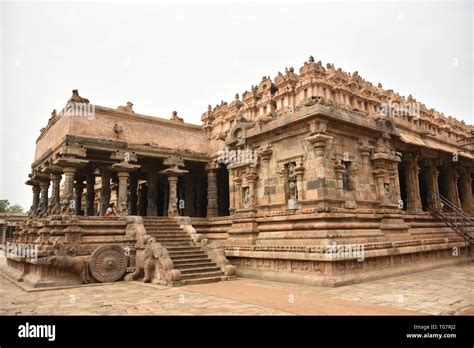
154 263
127 108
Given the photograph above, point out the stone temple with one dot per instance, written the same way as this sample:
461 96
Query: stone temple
316 176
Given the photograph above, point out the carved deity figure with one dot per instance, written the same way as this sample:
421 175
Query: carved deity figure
292 181
292 187
246 199
387 191
345 179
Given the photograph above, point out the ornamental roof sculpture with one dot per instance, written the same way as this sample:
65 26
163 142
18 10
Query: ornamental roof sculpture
333 79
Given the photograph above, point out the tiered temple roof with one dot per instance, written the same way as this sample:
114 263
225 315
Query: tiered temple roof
270 98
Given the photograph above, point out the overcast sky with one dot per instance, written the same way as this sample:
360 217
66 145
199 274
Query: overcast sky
184 56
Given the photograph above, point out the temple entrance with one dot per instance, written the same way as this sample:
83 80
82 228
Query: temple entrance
223 190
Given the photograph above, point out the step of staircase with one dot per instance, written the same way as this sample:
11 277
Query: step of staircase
204 280
194 264
202 275
191 264
184 247
168 244
199 270
176 240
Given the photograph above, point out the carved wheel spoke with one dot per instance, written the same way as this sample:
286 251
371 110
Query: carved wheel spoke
108 263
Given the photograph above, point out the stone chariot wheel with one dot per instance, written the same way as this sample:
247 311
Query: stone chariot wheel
108 263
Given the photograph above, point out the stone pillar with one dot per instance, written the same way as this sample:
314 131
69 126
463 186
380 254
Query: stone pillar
78 190
339 172
90 183
44 185
122 208
152 182
379 175
55 181
431 179
105 190
299 171
36 198
452 187
466 190
251 180
319 142
172 203
395 184
55 201
212 203
412 186
265 158
123 170
238 192
172 172
68 192
133 195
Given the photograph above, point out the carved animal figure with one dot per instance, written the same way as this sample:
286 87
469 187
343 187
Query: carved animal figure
154 263
54 207
42 210
62 258
127 108
67 206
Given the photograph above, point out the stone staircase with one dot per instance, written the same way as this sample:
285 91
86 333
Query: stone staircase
193 262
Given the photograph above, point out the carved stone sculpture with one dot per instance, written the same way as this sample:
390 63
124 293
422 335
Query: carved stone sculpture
42 210
76 98
154 263
54 207
127 108
217 255
65 259
246 200
293 191
67 206
175 117
108 263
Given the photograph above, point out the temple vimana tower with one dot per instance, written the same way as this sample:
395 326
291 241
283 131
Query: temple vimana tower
315 176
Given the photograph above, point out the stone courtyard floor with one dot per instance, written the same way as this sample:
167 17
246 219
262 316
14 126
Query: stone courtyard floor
448 290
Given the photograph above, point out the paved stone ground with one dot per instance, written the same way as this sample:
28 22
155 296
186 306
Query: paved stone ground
448 290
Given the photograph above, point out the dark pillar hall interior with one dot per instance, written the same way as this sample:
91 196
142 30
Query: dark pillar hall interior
223 190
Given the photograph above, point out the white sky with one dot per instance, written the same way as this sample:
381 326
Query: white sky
184 56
